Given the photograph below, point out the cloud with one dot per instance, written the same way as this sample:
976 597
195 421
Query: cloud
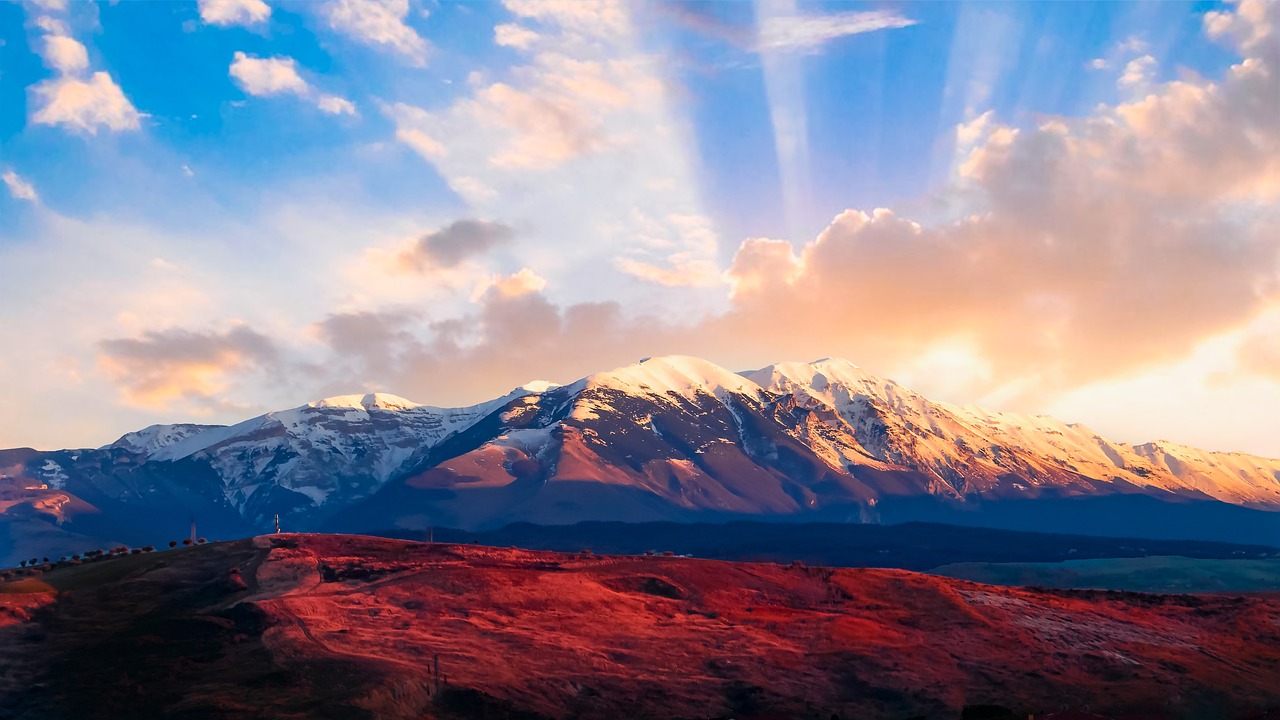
599 18
84 105
522 282
234 12
414 127
1138 73
567 145
1095 247
514 36
65 54
808 33
335 105
682 249
459 241
161 367
19 188
264 77
379 23
268 76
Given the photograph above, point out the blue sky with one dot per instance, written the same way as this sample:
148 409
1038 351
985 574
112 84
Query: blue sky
184 178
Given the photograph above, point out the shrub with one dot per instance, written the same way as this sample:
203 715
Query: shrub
201 541
186 541
173 543
136 551
149 548
22 563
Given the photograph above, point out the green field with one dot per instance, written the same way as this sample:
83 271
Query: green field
1165 574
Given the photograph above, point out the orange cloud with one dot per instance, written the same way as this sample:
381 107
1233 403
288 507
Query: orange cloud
162 367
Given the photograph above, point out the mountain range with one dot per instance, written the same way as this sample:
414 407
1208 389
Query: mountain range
669 438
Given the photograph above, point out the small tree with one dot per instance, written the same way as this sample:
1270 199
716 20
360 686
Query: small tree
22 563
46 560
173 543
148 548
202 541
186 541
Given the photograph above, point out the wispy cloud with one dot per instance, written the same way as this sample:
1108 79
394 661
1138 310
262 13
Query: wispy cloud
808 33
19 188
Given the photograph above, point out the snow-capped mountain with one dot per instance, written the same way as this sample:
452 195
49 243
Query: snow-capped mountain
666 438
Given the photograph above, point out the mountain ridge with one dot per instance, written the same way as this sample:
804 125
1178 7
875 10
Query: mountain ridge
666 438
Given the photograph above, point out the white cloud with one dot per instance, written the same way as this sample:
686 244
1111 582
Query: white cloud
807 33
264 77
1138 73
379 22
52 25
19 188
234 12
64 54
268 76
412 125
1099 64
84 105
335 105
514 36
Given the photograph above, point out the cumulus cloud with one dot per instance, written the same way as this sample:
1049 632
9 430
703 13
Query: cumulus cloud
379 23
514 36
455 243
65 54
19 188
234 12
264 77
159 368
85 105
71 99
808 33
268 76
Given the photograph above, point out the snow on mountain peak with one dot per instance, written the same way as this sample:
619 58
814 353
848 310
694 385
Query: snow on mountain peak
538 386
816 375
157 437
369 401
681 374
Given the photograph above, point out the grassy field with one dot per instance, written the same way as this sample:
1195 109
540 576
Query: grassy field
1165 574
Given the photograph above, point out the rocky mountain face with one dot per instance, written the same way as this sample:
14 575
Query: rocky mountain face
667 438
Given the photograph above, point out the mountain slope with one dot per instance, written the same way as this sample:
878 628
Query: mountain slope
667 438
355 627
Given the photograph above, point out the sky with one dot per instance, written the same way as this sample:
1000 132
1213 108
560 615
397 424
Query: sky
214 209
